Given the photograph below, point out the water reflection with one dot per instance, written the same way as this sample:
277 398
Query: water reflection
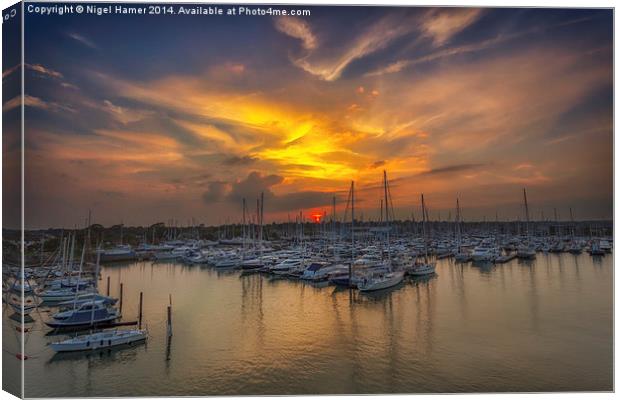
471 327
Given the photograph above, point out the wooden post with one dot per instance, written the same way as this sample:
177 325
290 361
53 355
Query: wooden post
108 287
121 299
169 321
140 313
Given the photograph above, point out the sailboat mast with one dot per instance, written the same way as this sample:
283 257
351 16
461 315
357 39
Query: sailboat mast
424 217
387 214
352 229
244 227
458 225
92 306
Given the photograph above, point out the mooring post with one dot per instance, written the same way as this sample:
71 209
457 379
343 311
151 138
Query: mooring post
121 298
140 313
108 287
169 321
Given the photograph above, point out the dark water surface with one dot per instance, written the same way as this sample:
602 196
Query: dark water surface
543 326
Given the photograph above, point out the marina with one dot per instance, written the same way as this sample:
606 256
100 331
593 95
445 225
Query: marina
307 199
530 324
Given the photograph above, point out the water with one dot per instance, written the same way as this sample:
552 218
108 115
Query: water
543 326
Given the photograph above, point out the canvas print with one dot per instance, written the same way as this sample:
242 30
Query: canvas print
296 199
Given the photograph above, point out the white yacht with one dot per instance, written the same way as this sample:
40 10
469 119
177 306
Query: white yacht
380 281
486 251
100 340
418 269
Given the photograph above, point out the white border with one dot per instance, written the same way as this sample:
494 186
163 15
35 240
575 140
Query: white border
482 3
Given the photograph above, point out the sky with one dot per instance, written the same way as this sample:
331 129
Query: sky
146 119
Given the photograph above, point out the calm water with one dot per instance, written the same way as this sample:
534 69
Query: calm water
515 327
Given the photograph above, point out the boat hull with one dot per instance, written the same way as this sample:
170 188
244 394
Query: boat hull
98 341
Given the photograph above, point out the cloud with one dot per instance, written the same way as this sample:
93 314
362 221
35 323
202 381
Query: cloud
237 160
36 102
298 29
9 71
442 24
377 164
253 185
216 191
80 38
378 36
485 44
124 115
450 169
256 183
44 71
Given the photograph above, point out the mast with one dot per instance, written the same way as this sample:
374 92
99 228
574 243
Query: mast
260 237
424 217
572 223
92 307
527 216
334 225
458 225
244 227
257 220
352 230
387 214
77 286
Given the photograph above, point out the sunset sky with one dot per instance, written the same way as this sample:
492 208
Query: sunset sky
145 119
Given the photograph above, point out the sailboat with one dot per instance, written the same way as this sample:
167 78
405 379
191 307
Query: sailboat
347 279
99 340
526 250
574 247
383 280
426 267
96 312
459 255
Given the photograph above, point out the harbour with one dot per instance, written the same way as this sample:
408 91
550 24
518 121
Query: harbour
542 324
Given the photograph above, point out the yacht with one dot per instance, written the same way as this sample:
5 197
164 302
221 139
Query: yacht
595 248
100 340
526 251
485 251
286 265
122 252
380 281
418 269
85 315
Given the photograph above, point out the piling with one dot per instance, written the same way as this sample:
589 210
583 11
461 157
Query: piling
108 288
120 307
169 323
140 313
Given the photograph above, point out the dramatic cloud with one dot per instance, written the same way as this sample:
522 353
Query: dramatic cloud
298 29
256 184
467 102
376 37
442 24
